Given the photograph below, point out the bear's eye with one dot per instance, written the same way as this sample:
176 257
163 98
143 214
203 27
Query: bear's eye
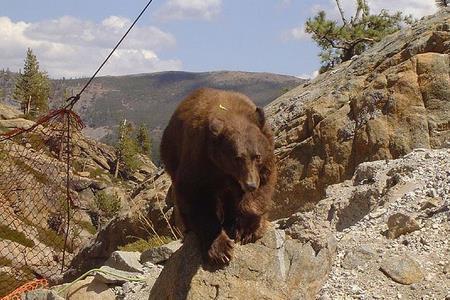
238 159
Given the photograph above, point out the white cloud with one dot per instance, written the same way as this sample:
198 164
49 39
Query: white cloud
296 33
313 75
116 22
71 47
416 8
189 9
70 30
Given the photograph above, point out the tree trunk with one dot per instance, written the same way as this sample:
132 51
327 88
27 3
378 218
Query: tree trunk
28 106
116 171
347 54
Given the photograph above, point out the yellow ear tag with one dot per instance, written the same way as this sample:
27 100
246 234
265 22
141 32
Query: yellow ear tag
222 107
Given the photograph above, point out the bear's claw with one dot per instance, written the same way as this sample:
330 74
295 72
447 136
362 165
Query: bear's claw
246 233
221 250
247 237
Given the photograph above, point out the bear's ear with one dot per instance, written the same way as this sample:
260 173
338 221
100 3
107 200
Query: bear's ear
260 117
216 126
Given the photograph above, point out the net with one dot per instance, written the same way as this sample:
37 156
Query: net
40 224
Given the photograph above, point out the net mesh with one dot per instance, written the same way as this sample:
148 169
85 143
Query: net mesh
40 224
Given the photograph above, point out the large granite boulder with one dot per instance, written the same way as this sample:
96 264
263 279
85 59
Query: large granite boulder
8 112
275 267
391 99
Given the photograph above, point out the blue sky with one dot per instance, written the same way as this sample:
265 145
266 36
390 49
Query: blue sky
71 37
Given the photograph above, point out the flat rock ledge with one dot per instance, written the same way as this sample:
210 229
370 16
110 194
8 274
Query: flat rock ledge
275 267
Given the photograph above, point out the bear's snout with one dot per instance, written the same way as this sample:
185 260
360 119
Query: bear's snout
250 186
251 181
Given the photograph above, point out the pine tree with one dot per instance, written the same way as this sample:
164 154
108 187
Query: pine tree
143 140
32 87
340 41
126 149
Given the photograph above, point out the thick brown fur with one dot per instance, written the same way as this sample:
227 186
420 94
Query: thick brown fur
219 153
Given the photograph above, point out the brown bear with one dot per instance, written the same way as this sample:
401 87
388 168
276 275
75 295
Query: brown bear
219 152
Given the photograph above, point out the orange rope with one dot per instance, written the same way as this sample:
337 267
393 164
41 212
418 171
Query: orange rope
27 287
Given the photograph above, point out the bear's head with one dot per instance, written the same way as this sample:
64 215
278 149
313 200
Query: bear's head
238 147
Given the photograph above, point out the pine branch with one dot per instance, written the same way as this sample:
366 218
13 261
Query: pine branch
355 19
341 11
332 43
365 8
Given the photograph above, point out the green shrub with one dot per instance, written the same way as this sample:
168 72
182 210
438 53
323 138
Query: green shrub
36 142
9 282
4 128
96 172
141 245
108 204
5 261
50 238
77 165
29 116
40 177
7 233
285 90
87 226
3 154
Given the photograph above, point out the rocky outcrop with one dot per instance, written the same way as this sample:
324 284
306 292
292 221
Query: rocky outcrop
338 250
122 277
16 123
381 105
88 288
375 261
275 267
161 254
369 263
149 214
8 112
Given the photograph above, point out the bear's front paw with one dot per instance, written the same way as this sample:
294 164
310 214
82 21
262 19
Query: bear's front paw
221 250
247 237
250 232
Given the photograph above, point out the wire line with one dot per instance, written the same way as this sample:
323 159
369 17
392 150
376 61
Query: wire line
74 99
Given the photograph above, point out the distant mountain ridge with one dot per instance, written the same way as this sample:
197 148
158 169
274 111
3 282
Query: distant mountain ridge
151 98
